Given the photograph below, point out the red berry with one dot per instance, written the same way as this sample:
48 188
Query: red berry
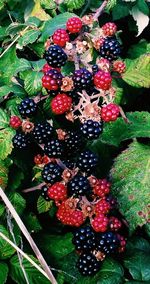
15 122
114 223
45 159
69 216
122 243
61 103
52 80
74 25
102 187
47 67
102 206
119 66
58 191
38 159
110 112
100 223
102 80
60 37
109 29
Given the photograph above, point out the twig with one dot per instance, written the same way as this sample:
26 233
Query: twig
33 188
123 115
100 10
28 237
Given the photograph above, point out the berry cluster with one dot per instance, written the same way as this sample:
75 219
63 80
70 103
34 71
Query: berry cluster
85 100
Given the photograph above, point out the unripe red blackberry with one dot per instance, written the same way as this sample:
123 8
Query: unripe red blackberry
38 159
102 80
110 112
102 188
74 25
52 80
61 103
109 29
47 67
15 122
60 37
102 206
114 224
69 216
119 66
100 223
58 191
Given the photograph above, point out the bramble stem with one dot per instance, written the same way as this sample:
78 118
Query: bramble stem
36 187
100 10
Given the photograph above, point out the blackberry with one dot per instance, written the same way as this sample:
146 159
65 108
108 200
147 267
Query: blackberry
110 49
54 148
91 129
69 164
55 56
73 142
52 81
42 132
21 141
79 185
107 242
95 68
84 239
27 108
88 264
44 190
87 161
51 173
82 79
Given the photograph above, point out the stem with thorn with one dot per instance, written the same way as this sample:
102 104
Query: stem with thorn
100 10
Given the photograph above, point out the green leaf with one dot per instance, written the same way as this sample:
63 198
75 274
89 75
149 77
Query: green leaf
33 83
50 26
137 49
138 243
33 21
116 132
6 250
12 104
143 7
43 205
4 119
6 136
28 37
137 72
3 272
32 223
48 4
33 275
3 173
121 10
2 209
38 12
16 176
14 28
74 4
38 48
38 65
2 33
68 68
12 88
18 202
130 184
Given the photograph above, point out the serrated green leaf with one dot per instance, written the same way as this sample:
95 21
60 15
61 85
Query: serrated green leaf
43 205
28 37
2 209
68 68
48 4
13 88
32 223
4 119
143 6
33 21
116 132
33 275
138 49
38 48
3 173
138 243
130 184
3 272
12 105
33 83
6 250
14 28
6 136
121 10
15 178
74 4
137 72
38 65
38 12
50 26
2 32
18 202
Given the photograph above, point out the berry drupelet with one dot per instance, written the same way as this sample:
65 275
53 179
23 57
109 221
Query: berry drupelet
57 192
61 103
87 161
74 25
100 223
15 122
55 56
91 129
60 37
110 49
52 80
21 141
27 108
42 132
88 264
110 112
54 148
73 142
82 79
79 185
51 173
102 80
84 239
108 242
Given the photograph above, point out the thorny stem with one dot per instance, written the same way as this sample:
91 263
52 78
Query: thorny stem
100 10
36 187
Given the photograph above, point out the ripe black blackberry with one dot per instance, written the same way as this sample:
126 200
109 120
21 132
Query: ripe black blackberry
107 242
91 129
110 49
73 142
84 239
87 161
44 190
70 164
95 68
51 173
88 264
42 132
55 56
82 79
54 148
21 141
27 108
79 185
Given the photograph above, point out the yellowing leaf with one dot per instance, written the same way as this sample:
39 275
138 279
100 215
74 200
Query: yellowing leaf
39 12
